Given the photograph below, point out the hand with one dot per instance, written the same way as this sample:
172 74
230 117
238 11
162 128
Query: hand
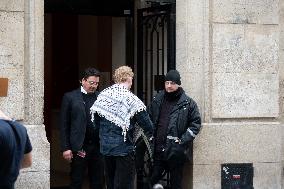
4 117
68 155
178 141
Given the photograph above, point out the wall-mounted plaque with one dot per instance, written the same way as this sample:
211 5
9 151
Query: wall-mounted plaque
3 87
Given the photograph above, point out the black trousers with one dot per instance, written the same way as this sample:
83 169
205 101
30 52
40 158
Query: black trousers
93 162
175 169
120 171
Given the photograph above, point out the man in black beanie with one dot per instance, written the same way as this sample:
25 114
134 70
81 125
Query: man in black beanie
177 121
173 75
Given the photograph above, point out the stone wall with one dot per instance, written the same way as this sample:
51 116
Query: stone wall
281 76
228 54
21 61
37 176
12 37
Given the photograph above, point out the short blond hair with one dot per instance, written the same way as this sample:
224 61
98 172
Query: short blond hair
122 73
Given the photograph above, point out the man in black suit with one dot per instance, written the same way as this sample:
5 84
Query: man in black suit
79 137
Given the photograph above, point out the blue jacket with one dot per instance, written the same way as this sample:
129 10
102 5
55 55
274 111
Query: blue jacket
14 143
111 139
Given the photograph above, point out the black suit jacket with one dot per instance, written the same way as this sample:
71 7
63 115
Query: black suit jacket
73 121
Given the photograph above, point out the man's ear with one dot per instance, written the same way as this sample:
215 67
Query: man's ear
82 81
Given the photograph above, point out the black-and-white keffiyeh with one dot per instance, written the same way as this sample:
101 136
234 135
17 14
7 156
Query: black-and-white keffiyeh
118 105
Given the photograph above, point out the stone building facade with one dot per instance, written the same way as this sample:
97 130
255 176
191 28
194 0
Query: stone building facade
230 55
21 61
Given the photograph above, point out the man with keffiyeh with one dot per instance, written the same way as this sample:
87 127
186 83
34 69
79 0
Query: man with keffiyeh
116 111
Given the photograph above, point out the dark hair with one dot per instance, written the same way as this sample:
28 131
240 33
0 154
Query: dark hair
89 72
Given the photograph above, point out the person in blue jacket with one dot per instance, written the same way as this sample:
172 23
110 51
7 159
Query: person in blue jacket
119 110
15 149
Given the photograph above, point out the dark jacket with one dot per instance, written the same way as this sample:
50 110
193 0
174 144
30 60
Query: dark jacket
184 123
111 139
73 121
14 143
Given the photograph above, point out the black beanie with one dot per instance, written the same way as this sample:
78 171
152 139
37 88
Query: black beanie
173 75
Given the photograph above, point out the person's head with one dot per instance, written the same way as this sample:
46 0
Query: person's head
172 81
90 79
123 75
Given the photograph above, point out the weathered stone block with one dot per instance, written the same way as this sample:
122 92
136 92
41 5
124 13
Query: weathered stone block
245 65
238 142
191 83
12 5
266 175
13 104
37 176
12 39
207 176
243 12
245 95
41 148
12 62
245 48
33 180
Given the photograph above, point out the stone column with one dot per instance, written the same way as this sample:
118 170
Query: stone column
21 61
38 175
12 56
228 54
281 76
34 61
